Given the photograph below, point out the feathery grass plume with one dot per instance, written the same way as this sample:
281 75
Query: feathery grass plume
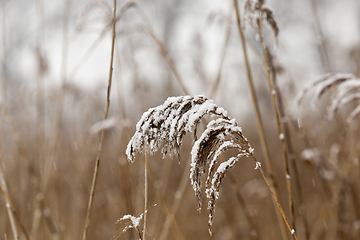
347 90
256 10
164 126
322 84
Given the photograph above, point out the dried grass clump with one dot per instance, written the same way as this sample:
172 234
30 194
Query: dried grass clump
256 11
164 126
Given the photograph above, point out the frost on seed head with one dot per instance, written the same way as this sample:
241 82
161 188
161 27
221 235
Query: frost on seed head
164 127
219 136
134 222
257 165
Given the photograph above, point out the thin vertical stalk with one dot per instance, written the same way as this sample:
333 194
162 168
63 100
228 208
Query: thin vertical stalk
146 195
276 200
55 132
10 206
170 221
153 35
107 105
50 156
25 158
215 85
9 211
341 233
259 123
290 149
320 36
291 230
3 68
281 133
253 232
163 50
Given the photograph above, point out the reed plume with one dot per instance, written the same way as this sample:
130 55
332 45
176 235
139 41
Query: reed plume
346 89
165 126
257 11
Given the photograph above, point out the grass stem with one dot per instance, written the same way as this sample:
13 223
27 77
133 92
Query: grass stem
280 128
12 209
146 195
107 105
8 206
259 123
215 85
321 44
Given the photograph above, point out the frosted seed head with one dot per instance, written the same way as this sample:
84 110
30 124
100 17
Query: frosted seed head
164 127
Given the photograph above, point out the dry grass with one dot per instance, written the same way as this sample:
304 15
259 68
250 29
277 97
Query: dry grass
306 188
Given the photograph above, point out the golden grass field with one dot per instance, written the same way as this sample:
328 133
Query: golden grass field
64 172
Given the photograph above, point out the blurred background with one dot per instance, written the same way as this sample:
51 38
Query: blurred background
55 58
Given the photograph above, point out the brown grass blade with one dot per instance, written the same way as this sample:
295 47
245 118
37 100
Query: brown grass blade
107 105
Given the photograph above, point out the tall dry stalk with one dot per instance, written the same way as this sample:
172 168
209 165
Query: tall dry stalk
257 13
4 84
259 123
56 128
216 82
107 105
169 210
11 209
146 195
29 167
290 147
164 52
176 204
254 233
281 134
8 206
321 42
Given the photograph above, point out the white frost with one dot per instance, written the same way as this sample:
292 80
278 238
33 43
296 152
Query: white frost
258 165
281 136
135 221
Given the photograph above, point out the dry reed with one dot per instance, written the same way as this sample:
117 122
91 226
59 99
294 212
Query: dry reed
257 13
164 127
107 105
49 133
